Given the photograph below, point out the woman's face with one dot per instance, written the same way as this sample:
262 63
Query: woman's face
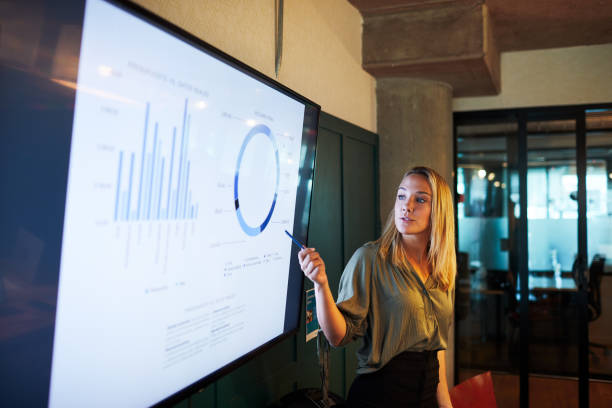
413 205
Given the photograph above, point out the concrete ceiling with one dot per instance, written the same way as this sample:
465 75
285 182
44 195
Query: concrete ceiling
459 41
525 24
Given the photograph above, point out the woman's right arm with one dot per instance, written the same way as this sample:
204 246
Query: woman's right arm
330 318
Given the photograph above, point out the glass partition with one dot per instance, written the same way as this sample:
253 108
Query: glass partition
535 256
486 301
599 241
552 224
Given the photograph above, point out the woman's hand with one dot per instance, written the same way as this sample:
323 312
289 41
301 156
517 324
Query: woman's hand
330 319
313 266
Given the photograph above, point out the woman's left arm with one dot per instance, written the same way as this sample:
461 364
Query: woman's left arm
442 394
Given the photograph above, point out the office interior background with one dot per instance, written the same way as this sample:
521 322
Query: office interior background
512 103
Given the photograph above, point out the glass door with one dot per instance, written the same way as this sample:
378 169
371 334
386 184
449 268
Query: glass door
599 243
487 318
552 246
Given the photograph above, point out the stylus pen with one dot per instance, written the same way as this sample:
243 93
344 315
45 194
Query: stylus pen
298 243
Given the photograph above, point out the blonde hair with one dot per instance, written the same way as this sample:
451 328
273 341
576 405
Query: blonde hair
441 246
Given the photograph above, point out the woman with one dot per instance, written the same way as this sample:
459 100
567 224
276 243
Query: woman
397 294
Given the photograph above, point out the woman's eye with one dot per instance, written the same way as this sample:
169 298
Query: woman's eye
401 196
421 200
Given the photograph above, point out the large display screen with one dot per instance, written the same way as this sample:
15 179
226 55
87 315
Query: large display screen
181 169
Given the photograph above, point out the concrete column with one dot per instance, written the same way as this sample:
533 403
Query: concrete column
415 127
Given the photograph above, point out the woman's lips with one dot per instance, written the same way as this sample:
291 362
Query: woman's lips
404 219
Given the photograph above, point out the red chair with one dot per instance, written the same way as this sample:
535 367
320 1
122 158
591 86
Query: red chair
475 392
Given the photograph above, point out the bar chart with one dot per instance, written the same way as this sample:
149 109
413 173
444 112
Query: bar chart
155 186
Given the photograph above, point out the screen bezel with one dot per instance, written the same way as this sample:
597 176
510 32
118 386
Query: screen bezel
300 230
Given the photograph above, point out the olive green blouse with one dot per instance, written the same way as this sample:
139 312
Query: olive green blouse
391 309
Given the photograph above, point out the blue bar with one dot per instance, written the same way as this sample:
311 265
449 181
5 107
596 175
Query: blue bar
186 186
144 145
127 215
145 187
161 185
178 187
186 180
191 213
196 211
118 184
170 178
157 180
152 176
183 182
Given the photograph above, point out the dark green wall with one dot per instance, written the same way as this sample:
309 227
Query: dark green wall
344 215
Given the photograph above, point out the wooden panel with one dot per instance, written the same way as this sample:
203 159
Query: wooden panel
183 404
359 195
360 215
325 230
204 398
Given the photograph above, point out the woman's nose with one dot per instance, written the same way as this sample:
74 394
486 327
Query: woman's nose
407 206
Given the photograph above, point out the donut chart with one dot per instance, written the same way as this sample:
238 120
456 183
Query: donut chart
253 230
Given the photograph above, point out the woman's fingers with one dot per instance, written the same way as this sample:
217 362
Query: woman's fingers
311 267
312 264
306 255
302 254
309 264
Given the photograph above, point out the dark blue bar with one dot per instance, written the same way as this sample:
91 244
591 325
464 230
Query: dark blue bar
144 145
118 185
127 215
170 178
178 188
152 175
161 185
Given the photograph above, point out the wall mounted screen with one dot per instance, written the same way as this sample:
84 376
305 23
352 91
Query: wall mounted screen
174 171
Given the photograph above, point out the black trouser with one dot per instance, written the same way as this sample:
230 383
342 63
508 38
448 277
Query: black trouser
410 379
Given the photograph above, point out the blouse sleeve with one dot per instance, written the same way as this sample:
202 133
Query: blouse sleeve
354 295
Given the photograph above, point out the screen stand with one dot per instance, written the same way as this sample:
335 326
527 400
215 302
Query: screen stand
323 353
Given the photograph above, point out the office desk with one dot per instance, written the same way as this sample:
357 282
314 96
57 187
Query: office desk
551 284
480 286
535 283
546 294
